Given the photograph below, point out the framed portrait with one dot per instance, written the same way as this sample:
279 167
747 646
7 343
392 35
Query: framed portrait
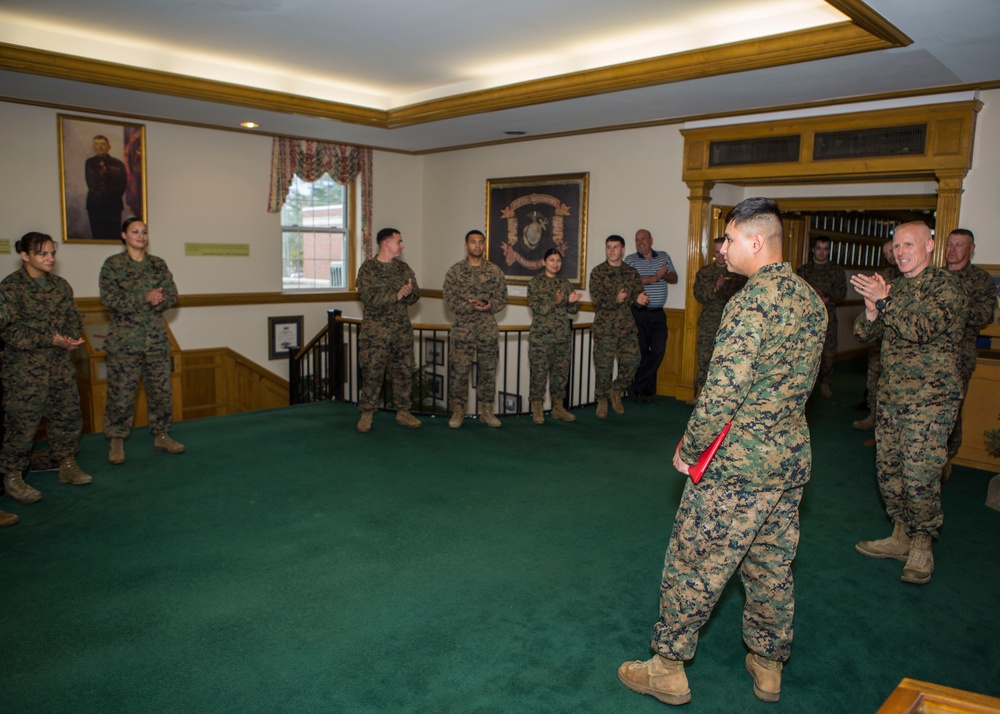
510 403
437 386
527 216
102 177
283 333
434 352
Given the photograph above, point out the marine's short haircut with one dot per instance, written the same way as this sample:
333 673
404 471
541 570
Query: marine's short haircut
32 242
964 232
819 239
385 233
758 215
719 241
614 239
474 232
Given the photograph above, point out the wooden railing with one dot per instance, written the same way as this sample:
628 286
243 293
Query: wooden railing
328 368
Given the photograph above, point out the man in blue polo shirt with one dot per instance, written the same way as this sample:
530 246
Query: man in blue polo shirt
656 270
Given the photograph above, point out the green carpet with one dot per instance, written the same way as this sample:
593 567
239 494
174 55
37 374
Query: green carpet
286 563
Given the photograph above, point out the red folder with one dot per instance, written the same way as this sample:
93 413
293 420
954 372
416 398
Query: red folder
697 470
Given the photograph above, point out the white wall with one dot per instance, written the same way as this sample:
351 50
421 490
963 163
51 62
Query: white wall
212 186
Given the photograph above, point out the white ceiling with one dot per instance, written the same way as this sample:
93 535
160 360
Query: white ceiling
387 54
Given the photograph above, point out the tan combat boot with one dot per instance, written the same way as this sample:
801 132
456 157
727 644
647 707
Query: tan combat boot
602 408
116 452
365 422
537 415
15 487
766 675
616 402
70 473
659 677
7 519
486 415
920 565
457 416
163 442
895 546
559 411
404 418
866 424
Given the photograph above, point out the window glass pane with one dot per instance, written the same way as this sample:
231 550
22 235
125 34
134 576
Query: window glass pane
314 235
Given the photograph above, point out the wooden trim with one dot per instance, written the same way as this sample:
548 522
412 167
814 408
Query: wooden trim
832 40
870 21
915 202
787 48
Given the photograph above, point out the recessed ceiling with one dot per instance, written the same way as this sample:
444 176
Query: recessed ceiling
440 74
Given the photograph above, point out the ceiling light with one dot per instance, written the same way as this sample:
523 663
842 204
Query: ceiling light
249 125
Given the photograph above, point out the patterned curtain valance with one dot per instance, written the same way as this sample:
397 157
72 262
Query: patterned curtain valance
309 160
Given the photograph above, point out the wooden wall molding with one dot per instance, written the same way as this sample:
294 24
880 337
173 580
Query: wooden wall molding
864 33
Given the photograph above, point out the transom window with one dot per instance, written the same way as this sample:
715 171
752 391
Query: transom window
314 232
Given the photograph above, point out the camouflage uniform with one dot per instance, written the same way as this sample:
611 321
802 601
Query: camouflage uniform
875 351
743 515
712 303
386 340
474 334
615 333
980 289
137 344
550 338
919 392
830 280
39 378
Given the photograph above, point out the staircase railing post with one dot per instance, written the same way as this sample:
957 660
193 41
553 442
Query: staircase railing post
335 357
294 377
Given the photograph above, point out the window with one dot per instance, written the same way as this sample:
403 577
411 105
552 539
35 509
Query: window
314 232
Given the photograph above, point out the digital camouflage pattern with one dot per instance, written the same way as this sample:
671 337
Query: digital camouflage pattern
830 281
981 291
386 340
38 377
713 298
615 333
875 351
137 345
919 392
715 533
474 334
550 343
743 514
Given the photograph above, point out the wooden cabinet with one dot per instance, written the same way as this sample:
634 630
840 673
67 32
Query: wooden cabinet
92 375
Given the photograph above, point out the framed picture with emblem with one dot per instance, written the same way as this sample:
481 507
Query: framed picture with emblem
527 216
509 403
102 177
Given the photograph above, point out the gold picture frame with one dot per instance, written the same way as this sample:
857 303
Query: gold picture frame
528 215
102 177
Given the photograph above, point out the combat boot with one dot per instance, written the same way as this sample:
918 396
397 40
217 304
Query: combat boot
116 452
457 416
163 442
659 677
365 422
866 424
404 418
15 487
920 565
895 546
766 675
559 412
616 402
537 415
8 519
602 409
70 473
486 415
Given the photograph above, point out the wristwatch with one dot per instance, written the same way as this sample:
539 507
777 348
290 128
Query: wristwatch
882 303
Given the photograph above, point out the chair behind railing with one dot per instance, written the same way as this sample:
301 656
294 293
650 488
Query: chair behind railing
328 368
